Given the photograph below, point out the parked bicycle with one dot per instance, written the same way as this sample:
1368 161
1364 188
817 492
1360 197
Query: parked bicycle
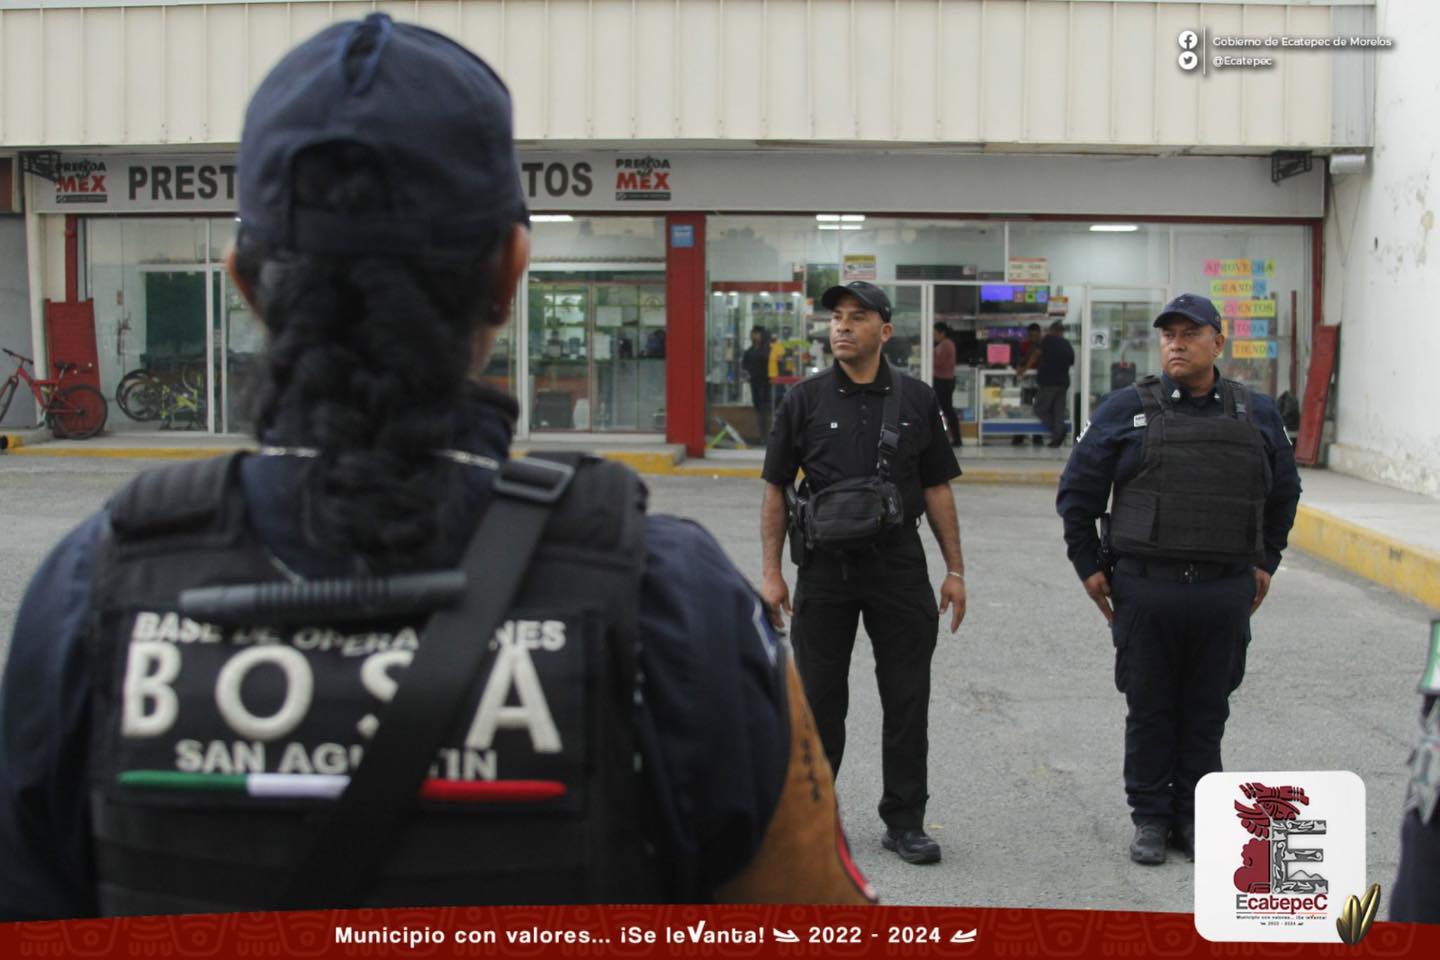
158 391
74 411
144 396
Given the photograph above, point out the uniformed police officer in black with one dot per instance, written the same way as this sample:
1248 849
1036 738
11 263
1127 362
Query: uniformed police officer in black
830 426
625 727
1205 490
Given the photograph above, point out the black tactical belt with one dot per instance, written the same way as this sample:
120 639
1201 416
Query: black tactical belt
1178 572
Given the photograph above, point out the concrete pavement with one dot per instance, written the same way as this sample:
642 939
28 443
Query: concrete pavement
1388 536
1026 724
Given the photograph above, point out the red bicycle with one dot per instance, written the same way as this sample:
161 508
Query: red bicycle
75 411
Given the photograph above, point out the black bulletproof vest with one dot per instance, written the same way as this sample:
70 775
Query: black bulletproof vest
1199 494
214 748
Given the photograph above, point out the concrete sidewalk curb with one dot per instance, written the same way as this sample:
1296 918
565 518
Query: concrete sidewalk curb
127 453
699 468
647 462
1405 569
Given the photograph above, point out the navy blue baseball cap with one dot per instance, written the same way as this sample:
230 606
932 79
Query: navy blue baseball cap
435 116
871 296
1191 306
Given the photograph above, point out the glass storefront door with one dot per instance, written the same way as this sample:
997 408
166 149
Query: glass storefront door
597 351
1120 342
910 346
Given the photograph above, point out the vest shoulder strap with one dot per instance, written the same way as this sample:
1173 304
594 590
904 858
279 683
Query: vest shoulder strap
603 509
171 500
1236 399
1152 396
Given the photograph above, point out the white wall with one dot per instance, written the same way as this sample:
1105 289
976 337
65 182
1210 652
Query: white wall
1382 270
1084 75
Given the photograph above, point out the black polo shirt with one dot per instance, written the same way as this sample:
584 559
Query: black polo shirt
829 426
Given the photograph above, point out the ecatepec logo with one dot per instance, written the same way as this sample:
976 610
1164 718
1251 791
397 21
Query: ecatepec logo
642 178
1277 854
1271 861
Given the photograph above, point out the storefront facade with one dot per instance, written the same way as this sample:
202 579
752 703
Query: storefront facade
650 270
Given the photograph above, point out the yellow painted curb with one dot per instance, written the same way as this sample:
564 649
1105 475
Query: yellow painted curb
1043 478
128 453
13 442
1408 570
972 475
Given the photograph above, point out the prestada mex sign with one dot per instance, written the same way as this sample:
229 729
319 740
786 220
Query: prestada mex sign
111 184
98 183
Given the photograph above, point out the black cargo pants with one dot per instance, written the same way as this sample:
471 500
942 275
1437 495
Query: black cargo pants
890 588
1179 654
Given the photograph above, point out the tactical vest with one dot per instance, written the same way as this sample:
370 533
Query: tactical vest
1199 494
216 751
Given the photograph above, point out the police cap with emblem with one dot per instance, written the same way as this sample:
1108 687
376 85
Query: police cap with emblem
434 115
1190 306
869 295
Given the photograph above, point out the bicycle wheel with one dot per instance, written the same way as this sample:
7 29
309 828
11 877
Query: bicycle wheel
131 398
7 393
192 375
140 398
78 412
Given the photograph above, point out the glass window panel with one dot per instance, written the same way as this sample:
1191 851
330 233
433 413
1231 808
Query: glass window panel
1259 278
147 277
1076 254
597 324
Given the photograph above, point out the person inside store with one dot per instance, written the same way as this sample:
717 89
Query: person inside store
943 379
876 460
176 739
756 364
1205 490
1051 360
1029 351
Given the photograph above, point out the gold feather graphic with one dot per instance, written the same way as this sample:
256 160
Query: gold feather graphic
1355 920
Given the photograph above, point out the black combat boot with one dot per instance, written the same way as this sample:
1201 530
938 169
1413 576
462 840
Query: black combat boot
913 846
1148 847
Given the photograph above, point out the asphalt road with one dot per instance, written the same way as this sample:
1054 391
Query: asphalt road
1025 724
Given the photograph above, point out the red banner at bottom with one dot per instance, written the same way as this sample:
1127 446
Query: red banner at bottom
689 931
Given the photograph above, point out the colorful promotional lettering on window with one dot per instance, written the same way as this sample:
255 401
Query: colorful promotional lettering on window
1241 289
1254 349
1247 308
1240 267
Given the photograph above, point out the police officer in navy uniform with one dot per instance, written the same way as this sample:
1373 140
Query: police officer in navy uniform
1204 494
634 730
830 426
1416 897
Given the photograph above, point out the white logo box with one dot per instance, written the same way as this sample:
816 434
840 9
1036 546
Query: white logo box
1307 846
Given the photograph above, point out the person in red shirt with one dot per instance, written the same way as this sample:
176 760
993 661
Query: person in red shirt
943 379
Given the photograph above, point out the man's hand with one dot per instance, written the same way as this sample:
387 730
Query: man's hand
1098 586
952 597
1262 587
776 596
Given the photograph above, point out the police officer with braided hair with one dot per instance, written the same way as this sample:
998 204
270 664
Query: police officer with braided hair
379 662
1204 494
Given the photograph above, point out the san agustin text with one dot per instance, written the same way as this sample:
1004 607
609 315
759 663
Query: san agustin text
700 932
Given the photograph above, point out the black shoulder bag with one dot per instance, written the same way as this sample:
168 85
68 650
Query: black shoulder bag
853 514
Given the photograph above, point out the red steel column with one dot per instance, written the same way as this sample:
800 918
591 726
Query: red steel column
685 306
72 258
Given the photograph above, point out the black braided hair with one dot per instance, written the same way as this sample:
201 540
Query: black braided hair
366 362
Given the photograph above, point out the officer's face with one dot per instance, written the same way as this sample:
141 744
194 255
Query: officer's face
856 332
1188 350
